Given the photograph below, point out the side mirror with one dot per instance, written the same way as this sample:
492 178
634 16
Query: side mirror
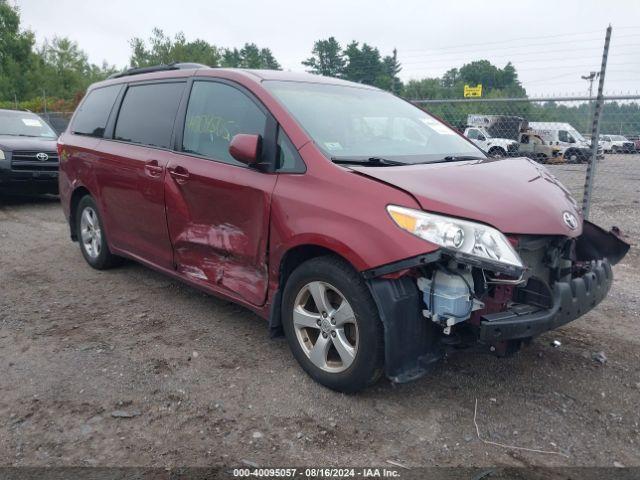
482 138
245 148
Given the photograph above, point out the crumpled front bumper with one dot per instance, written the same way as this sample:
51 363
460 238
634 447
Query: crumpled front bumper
570 300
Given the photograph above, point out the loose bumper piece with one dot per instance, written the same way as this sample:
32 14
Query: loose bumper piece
570 300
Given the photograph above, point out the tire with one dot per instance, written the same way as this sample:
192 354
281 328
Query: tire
572 156
336 366
497 152
92 237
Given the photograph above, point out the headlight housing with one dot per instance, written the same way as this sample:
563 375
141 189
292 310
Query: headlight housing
460 237
2 157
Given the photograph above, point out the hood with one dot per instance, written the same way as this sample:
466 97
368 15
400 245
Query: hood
514 195
9 143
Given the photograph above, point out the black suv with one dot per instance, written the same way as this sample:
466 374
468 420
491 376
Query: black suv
28 155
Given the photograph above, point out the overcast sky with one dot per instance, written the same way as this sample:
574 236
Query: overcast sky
551 43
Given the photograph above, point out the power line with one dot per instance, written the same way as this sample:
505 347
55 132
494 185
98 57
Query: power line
564 75
523 54
519 70
514 40
510 47
617 80
515 62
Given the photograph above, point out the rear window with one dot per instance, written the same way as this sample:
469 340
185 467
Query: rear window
91 117
147 114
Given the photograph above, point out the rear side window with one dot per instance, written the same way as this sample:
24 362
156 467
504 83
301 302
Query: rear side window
216 112
91 118
147 114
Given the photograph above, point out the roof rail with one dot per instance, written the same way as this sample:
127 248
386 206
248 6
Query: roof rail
157 68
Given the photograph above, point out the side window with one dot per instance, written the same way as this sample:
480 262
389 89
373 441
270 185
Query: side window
93 113
148 112
215 113
473 134
289 160
563 136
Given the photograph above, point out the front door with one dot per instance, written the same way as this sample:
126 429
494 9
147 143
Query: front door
131 171
217 208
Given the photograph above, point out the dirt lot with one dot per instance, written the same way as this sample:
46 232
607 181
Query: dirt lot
206 386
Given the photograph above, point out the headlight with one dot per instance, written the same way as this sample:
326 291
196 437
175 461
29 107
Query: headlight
2 157
470 239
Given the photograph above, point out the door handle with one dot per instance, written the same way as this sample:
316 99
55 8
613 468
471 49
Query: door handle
153 169
180 174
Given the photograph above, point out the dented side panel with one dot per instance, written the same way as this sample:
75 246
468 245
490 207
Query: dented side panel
218 223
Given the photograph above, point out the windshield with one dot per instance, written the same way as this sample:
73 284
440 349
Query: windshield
359 123
24 124
618 138
576 135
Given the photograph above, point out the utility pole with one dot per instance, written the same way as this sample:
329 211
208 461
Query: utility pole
595 130
44 97
590 78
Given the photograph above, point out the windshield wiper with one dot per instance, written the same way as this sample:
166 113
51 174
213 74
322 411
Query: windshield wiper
371 161
456 158
21 135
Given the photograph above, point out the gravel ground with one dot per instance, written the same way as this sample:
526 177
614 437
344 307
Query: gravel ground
128 367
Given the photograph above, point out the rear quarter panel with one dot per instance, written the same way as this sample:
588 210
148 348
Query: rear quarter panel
77 156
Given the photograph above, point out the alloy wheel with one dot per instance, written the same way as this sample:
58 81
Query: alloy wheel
325 327
90 232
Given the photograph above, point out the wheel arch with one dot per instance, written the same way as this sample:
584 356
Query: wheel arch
78 193
497 149
289 261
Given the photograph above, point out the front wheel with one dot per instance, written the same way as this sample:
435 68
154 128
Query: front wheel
497 153
571 156
92 237
332 325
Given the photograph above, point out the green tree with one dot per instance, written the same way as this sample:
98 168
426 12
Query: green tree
391 67
498 81
364 64
326 58
358 63
231 58
425 88
250 56
16 53
161 49
58 69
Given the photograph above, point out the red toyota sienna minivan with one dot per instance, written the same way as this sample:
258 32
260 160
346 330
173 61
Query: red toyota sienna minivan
370 233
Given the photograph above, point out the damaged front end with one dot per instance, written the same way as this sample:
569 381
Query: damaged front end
446 300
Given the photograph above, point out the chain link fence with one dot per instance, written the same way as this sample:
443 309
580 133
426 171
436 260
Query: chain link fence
57 120
553 131
557 132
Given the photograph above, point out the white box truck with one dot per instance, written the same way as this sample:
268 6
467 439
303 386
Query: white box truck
574 147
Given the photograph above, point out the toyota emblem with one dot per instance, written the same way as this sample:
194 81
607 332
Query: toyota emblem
43 157
570 220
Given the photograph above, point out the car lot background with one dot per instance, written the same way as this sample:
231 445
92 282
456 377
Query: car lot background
128 367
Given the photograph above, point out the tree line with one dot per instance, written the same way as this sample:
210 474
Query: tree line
58 72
